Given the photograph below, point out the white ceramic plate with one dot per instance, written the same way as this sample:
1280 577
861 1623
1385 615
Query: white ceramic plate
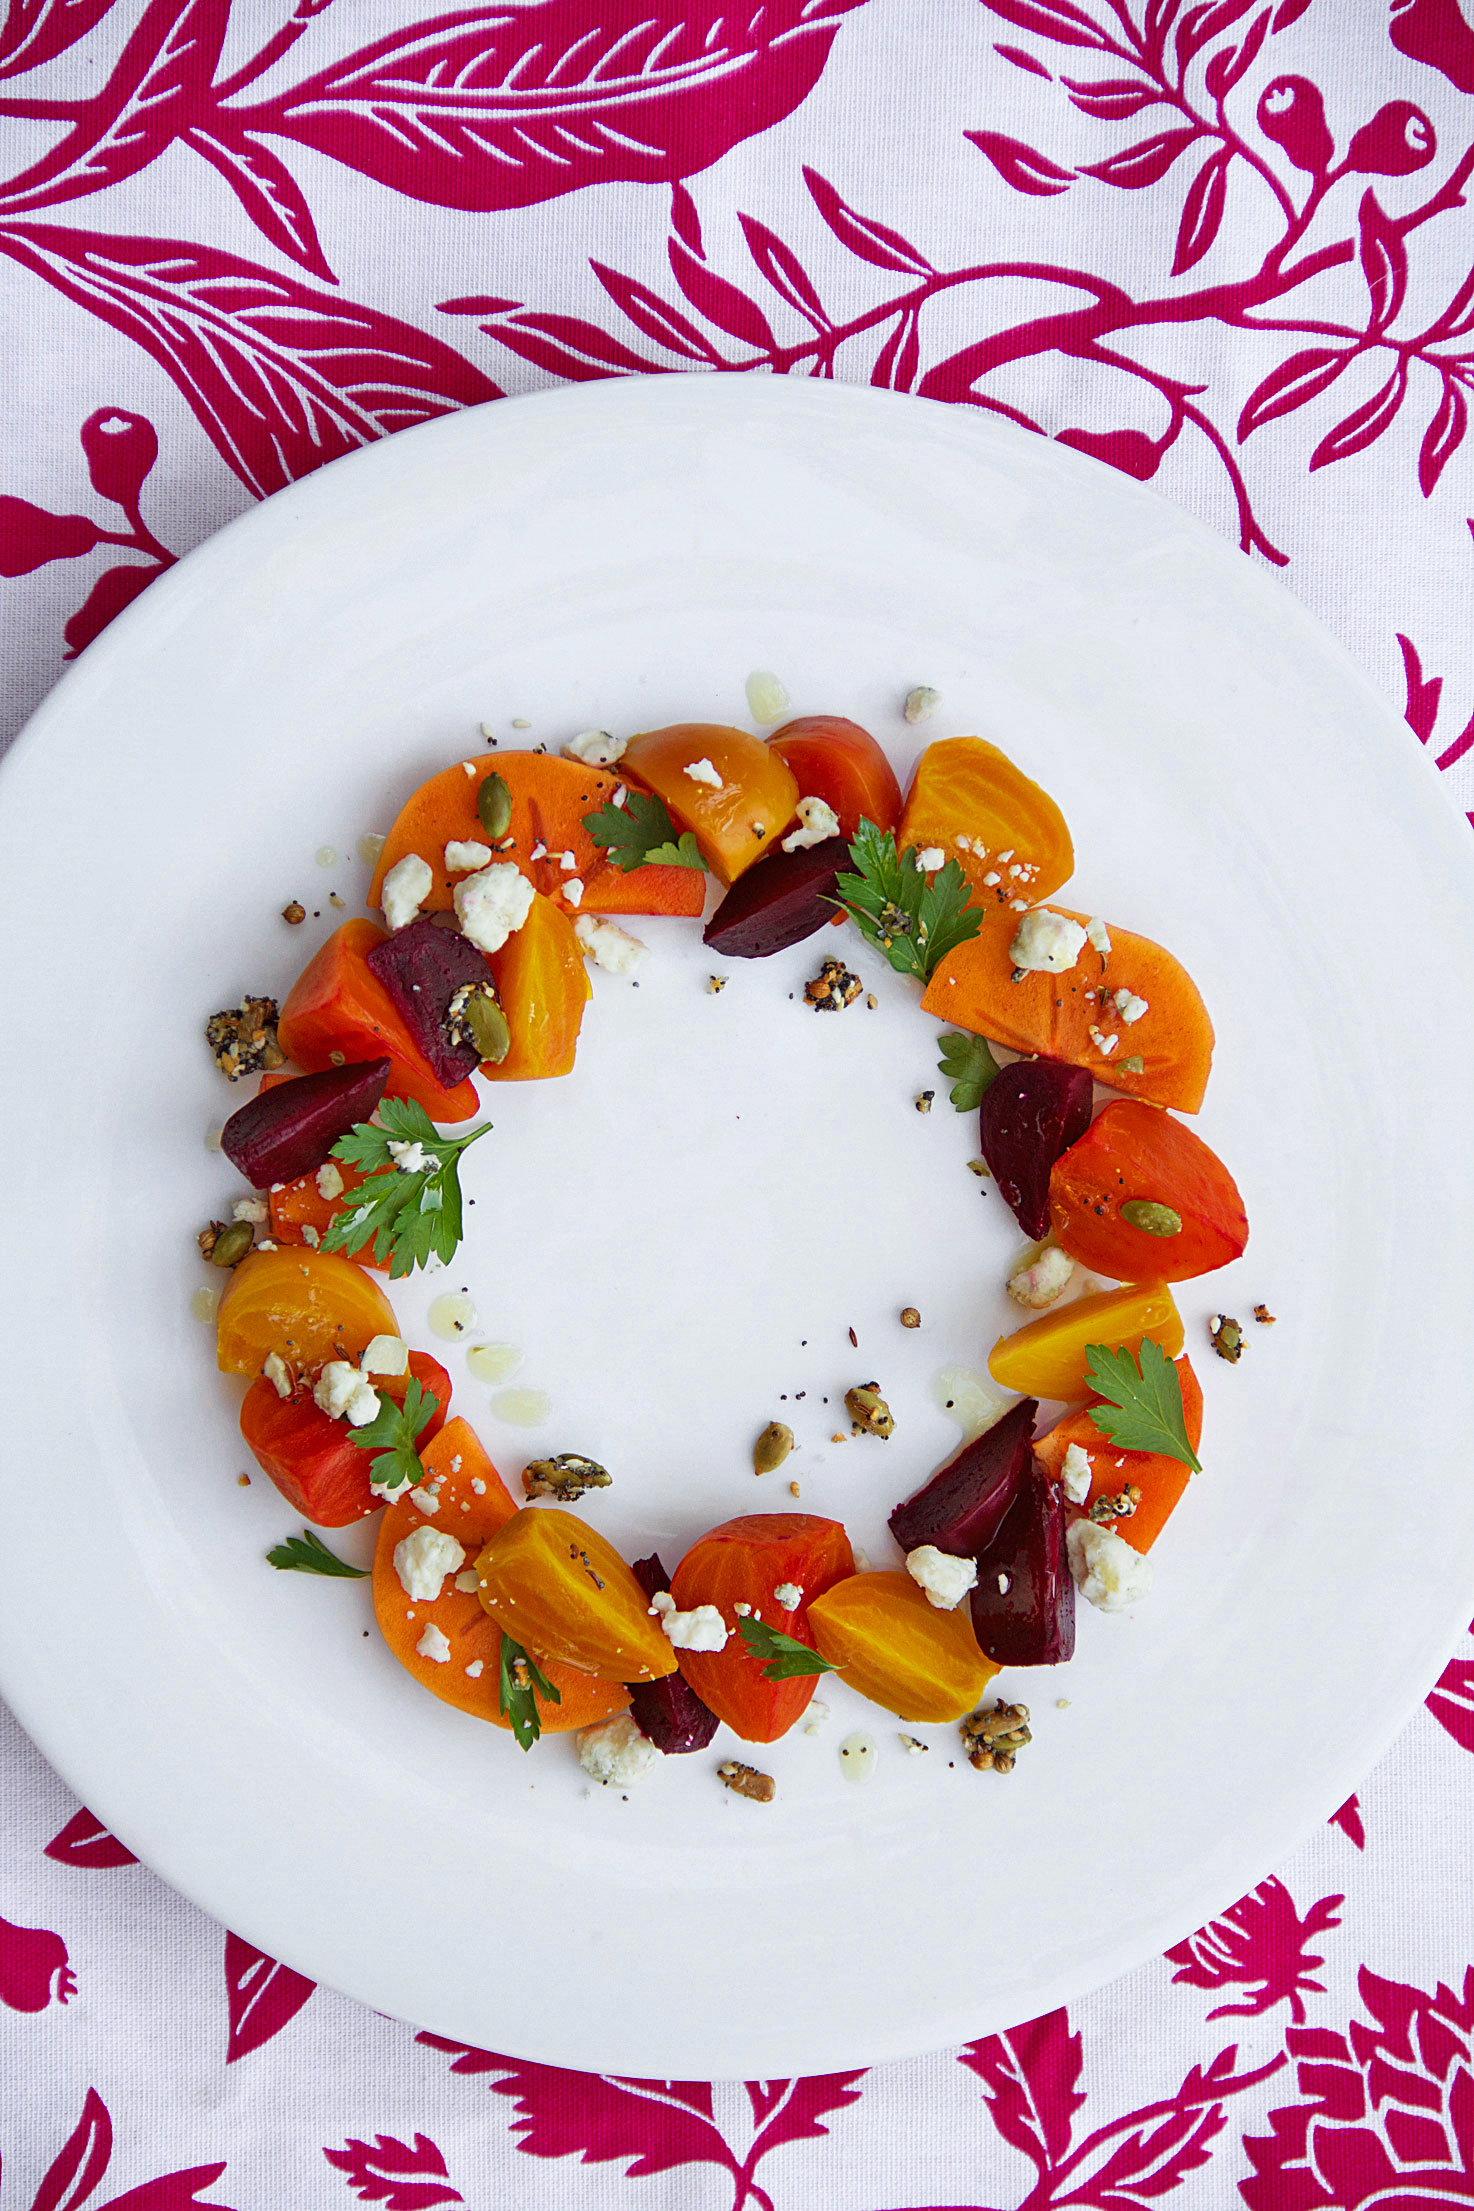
687 1228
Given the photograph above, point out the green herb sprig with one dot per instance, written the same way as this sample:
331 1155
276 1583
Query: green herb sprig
307 1554
915 923
641 834
785 1656
409 1215
393 1434
972 1067
1144 1412
515 1696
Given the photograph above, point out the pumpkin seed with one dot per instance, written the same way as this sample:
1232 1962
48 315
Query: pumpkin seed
869 1411
772 1447
1151 1217
475 1016
231 1245
494 806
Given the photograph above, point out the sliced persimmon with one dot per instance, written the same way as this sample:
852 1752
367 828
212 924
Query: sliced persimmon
1160 1479
550 797
474 1502
1005 832
739 802
1115 1195
1163 1055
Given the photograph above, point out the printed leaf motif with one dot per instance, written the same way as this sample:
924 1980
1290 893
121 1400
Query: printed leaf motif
262 1996
783 270
794 2110
1451 1699
31 536
1020 165
162 74
565 345
1348 1819
1200 26
282 377
178 2191
503 107
719 300
1056 19
1202 211
685 221
654 316
1261 1945
1443 436
1145 163
1031 2079
900 357
402 2176
1386 2115
875 242
1112 99
38 30
1293 384
1383 261
659 2124
1365 424
81 2161
265 187
84 1841
114 589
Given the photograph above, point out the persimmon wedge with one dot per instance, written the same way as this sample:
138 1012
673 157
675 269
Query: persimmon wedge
474 1503
550 798
838 761
739 802
1163 1055
1160 1479
1136 1165
338 1010
747 1561
1004 831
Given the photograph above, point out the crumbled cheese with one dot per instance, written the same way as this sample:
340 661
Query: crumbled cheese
616 1752
1104 1044
468 1579
931 858
789 1595
255 1210
473 1671
539 850
1097 939
434 1645
992 877
1130 1007
405 886
1008 855
1018 905
410 1158
573 890
568 861
423 1559
609 946
385 1355
1108 1573
945 1578
702 771
278 1373
426 1498
1047 943
343 1394
463 858
468 767
491 906
816 1714
702 1629
820 823
921 703
742 1610
621 796
310 1236
329 1180
596 748
476 1482
1075 1474
1036 1282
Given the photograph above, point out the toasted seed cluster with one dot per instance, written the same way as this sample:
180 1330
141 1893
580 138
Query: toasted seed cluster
772 1447
566 1476
923 1100
474 1016
994 1738
225 1244
1264 1316
747 1781
1119 1507
869 1411
1226 1337
243 1038
833 988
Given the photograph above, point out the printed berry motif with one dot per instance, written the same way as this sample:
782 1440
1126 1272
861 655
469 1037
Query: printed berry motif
34 1971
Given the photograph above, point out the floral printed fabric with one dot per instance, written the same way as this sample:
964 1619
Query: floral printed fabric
1220 245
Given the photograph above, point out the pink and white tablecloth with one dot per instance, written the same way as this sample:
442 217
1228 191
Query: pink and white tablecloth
1221 245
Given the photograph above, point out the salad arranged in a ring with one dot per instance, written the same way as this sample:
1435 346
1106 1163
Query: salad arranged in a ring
1078 1045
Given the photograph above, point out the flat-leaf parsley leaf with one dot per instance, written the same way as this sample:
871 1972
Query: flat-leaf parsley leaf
784 1654
308 1554
518 1678
641 834
393 1434
409 1205
915 923
972 1068
1144 1412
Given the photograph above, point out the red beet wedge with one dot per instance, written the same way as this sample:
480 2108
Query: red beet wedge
1032 1112
669 1711
422 966
963 1506
1023 1608
782 900
289 1130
